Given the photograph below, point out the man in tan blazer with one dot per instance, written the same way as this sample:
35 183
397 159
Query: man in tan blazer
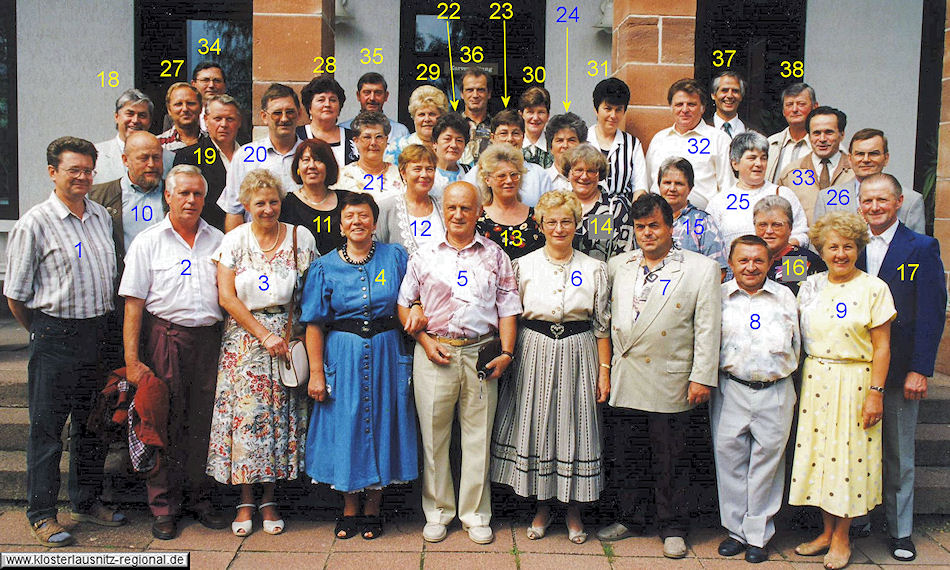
791 143
666 323
826 170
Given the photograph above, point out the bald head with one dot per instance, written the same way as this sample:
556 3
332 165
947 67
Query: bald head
143 159
461 208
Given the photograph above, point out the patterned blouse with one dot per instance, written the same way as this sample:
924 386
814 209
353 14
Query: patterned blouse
621 226
695 231
515 240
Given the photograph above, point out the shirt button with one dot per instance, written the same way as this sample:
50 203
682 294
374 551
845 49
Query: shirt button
364 288
366 399
364 296
365 388
663 333
367 430
648 361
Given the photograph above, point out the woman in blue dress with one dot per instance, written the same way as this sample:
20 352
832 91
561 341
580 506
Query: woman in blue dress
363 426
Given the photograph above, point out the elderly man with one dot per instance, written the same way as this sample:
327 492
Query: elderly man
135 200
821 175
791 143
467 289
59 285
172 330
213 153
705 147
665 328
728 90
133 112
751 411
372 92
476 92
280 108
183 103
910 264
209 79
868 155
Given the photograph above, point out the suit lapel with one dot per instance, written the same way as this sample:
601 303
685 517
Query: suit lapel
622 311
843 165
897 252
659 296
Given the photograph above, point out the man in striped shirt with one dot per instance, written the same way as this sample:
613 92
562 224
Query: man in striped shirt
60 282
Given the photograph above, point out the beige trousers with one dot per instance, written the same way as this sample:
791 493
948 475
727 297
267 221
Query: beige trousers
437 389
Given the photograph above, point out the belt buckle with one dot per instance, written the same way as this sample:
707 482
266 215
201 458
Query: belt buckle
757 385
557 329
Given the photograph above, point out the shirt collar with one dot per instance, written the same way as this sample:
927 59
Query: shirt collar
120 144
165 224
479 239
127 185
888 234
62 211
832 166
732 287
592 136
695 130
718 121
266 143
218 148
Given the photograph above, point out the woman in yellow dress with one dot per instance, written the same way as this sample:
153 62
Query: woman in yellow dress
846 325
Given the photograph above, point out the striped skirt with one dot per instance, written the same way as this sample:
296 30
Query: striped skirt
546 441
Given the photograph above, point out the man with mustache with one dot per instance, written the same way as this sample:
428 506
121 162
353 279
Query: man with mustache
172 332
183 102
751 410
791 143
133 112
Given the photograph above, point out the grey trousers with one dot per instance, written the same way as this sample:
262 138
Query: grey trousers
900 427
750 429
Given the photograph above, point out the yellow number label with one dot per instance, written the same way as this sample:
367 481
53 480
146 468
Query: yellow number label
914 267
432 69
381 278
533 74
793 68
375 57
204 48
319 221
167 67
325 65
516 239
606 227
507 15
472 54
719 55
113 78
210 155
594 67
443 15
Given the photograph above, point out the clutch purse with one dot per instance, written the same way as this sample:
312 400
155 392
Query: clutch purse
295 371
486 354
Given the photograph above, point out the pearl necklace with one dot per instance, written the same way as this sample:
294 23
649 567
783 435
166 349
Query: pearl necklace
369 256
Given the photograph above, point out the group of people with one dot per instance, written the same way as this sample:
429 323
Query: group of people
514 272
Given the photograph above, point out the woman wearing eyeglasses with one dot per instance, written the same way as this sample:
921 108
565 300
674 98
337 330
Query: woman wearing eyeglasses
546 441
370 173
507 220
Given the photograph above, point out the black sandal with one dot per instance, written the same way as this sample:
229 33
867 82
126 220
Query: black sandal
348 525
374 525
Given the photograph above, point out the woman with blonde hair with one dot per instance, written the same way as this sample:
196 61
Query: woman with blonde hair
507 220
426 105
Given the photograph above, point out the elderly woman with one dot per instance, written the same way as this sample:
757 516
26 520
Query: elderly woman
732 209
449 137
846 325
692 227
426 105
363 426
258 427
546 442
506 220
370 173
415 218
605 229
315 206
563 132
323 100
772 216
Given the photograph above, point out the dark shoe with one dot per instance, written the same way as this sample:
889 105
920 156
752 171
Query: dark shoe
372 525
754 554
860 530
165 527
730 547
348 525
903 549
101 515
210 517
50 533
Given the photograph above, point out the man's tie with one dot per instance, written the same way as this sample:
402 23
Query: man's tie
824 179
728 128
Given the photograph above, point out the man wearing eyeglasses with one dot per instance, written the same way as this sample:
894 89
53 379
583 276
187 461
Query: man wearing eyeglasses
60 281
209 79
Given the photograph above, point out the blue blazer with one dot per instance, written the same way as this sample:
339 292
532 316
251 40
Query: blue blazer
921 302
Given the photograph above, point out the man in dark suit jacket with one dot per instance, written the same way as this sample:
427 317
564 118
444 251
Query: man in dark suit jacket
213 153
910 264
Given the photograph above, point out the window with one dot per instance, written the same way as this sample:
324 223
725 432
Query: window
8 126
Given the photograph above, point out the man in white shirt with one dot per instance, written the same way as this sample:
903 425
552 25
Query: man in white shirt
507 126
280 108
791 143
133 112
751 410
705 147
728 90
372 92
172 334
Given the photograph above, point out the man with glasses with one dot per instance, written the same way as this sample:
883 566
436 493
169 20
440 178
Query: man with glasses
280 108
60 281
134 111
209 79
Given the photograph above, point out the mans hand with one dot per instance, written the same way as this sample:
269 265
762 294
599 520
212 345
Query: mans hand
417 320
497 366
915 386
135 370
436 352
698 393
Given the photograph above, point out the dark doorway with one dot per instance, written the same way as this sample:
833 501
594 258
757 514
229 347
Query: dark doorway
928 104
8 126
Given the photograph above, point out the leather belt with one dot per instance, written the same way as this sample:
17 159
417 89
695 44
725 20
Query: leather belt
557 330
754 385
462 341
364 327
272 310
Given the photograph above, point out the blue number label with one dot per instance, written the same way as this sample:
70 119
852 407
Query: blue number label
462 278
576 279
264 286
186 270
799 177
694 146
562 11
840 195
79 247
667 281
369 185
756 323
742 199
146 213
254 154
698 227
842 309
426 225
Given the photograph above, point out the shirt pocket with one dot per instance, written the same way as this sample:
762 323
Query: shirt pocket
167 268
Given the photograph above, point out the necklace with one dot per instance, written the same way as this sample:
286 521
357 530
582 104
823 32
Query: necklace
369 256
271 248
302 194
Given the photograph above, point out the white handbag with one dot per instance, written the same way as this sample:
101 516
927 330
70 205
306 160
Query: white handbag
294 372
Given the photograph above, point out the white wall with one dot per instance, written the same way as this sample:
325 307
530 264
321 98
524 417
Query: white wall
870 71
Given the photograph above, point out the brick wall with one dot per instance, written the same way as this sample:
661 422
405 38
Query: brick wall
653 46
288 34
942 212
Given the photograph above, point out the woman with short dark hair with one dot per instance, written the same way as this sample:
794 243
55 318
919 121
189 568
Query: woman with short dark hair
323 100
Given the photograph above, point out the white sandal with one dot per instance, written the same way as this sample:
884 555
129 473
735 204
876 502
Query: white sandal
243 528
272 527
538 532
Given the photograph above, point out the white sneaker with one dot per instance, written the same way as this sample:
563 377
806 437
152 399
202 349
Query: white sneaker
480 534
674 547
434 532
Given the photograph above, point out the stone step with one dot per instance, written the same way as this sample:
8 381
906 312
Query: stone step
933 445
14 428
932 490
119 486
935 409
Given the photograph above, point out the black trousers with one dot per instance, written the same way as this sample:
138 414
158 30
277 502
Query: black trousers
646 454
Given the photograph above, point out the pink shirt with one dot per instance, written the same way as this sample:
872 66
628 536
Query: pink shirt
464 291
